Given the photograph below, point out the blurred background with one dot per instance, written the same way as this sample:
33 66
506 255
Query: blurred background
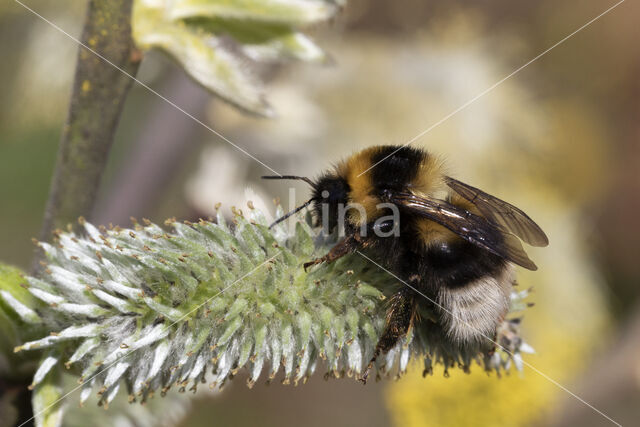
560 139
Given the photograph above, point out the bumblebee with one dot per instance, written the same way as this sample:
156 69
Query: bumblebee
453 245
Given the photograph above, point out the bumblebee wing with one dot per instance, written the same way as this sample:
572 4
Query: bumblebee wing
473 228
502 213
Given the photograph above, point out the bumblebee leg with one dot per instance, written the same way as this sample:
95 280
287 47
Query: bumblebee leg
345 246
400 317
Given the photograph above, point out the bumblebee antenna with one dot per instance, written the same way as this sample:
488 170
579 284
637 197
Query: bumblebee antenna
296 210
301 178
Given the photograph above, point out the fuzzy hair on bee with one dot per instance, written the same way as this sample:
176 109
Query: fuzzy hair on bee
455 246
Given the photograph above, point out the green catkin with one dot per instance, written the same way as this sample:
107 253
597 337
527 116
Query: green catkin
162 308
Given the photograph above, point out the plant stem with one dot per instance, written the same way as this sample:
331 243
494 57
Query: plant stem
97 99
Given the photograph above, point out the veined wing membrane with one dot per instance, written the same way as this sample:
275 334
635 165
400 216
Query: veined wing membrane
501 213
473 228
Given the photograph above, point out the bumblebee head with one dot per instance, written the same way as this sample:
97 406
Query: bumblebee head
330 192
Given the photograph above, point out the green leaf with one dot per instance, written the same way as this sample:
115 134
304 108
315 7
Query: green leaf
16 311
266 42
292 12
47 408
205 57
221 43
11 279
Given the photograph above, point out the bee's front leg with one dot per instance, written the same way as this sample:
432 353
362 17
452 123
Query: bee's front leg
345 246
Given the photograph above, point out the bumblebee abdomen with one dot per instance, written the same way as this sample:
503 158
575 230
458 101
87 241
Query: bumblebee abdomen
471 313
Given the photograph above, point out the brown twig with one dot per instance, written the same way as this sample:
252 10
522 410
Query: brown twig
97 99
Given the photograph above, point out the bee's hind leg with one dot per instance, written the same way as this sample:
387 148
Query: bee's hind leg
400 317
